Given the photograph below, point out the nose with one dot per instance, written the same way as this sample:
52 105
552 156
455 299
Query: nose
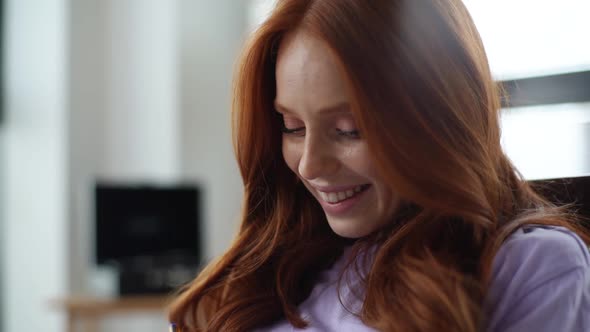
318 159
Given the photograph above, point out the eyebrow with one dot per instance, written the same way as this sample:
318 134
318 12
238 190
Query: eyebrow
340 107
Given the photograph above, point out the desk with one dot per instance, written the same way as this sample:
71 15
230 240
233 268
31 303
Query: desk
89 310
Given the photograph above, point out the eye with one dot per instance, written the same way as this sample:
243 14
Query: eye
348 133
295 131
291 126
346 127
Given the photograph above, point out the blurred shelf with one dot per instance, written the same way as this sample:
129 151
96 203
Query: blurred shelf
88 311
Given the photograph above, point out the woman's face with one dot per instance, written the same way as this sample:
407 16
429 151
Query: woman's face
321 143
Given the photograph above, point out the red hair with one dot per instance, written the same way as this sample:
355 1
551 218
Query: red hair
425 101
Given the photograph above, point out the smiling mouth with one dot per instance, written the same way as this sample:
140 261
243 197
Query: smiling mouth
337 197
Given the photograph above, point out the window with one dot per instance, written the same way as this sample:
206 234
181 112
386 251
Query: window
537 49
533 37
258 11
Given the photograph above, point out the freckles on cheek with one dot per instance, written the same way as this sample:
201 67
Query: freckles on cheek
348 153
360 159
355 153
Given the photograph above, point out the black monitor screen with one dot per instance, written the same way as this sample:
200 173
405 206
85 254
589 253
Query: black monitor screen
139 221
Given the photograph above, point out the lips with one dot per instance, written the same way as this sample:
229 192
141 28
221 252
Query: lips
335 197
340 201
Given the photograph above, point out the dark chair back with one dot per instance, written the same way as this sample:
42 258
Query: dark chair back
574 190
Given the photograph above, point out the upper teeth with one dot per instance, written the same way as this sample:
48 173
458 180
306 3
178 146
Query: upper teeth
335 197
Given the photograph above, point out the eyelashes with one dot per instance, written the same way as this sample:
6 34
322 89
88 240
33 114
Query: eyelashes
348 133
292 127
289 126
300 131
286 130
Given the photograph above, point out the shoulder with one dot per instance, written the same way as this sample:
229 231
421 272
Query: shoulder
539 272
546 249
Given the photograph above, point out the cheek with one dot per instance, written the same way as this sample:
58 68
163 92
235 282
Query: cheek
387 201
291 155
358 159
361 162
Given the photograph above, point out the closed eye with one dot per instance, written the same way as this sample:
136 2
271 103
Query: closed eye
298 130
289 125
348 133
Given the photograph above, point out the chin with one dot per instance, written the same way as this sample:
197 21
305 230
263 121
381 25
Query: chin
349 229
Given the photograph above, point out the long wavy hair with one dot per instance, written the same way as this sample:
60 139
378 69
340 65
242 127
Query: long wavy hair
426 103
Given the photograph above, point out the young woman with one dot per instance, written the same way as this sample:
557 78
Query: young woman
377 196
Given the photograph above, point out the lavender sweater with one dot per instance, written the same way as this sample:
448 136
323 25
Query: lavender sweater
540 283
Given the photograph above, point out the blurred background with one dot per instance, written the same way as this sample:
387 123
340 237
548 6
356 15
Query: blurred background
109 104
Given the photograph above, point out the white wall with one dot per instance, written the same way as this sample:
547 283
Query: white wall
124 103
124 90
150 100
141 116
124 121
88 102
212 34
34 136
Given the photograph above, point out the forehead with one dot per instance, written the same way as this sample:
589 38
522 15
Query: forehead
307 75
